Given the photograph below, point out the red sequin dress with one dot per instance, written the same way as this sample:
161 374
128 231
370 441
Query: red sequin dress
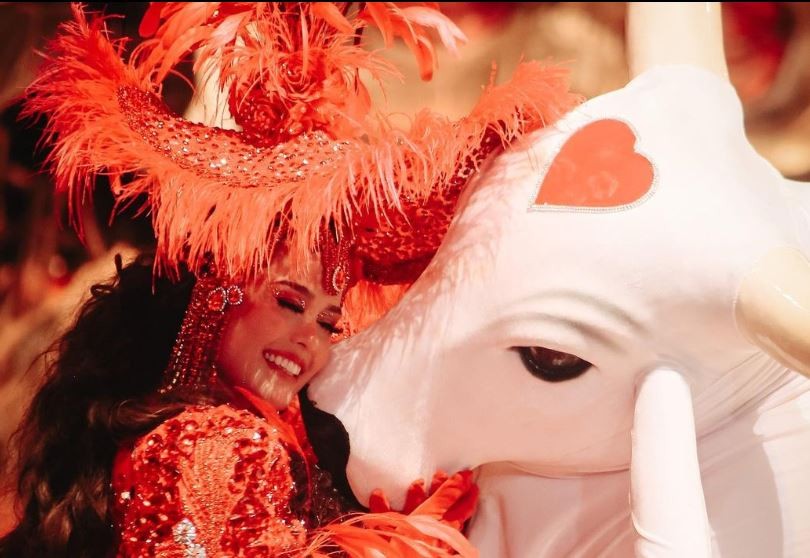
221 481
213 481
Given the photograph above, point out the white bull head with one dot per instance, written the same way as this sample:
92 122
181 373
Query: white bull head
643 235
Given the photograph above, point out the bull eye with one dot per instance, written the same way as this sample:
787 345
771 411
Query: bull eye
550 365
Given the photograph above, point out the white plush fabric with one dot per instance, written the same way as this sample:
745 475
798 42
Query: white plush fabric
652 287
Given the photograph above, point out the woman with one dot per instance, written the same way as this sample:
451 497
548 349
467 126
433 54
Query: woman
103 393
172 449
136 446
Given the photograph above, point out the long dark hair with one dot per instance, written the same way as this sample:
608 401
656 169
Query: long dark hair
102 389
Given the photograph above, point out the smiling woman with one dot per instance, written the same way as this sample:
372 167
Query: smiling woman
278 338
158 430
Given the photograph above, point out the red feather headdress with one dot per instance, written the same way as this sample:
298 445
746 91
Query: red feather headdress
314 161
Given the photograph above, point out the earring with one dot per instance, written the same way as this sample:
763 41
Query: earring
192 366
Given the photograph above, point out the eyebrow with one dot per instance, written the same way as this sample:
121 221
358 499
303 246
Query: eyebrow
306 292
608 308
588 331
295 286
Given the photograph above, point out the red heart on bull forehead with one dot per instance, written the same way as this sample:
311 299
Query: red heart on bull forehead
597 167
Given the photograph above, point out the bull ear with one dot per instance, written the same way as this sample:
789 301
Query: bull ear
773 307
675 33
669 511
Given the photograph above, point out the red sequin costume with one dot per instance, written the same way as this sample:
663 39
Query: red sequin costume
213 481
221 481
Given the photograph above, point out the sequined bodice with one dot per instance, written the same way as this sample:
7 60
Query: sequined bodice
212 481
225 482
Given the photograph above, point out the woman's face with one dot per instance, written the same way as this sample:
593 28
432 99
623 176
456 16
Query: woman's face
279 337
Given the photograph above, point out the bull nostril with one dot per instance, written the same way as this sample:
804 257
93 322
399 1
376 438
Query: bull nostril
330 441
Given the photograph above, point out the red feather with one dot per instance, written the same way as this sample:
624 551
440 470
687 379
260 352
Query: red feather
392 535
151 20
447 494
106 117
449 33
331 14
380 14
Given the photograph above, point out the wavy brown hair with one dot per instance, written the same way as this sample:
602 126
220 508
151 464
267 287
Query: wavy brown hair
102 389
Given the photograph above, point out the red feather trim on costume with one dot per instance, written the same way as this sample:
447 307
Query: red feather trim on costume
312 149
431 529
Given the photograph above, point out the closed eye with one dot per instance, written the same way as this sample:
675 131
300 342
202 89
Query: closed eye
290 304
331 328
550 365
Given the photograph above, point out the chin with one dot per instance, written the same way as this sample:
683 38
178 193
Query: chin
278 400
275 391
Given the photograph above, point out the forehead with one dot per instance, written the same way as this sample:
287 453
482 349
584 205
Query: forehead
283 269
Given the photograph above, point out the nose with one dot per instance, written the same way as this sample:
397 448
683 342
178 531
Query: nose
305 335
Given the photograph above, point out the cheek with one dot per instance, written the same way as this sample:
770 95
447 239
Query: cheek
257 321
234 347
248 329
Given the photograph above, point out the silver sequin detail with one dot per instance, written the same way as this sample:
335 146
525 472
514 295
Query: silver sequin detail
185 533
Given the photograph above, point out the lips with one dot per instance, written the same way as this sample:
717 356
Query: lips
287 363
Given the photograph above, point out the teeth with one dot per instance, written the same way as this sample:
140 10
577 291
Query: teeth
289 366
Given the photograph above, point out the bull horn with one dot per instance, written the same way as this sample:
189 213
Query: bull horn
773 307
675 33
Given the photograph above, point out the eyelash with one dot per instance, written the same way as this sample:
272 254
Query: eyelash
331 328
298 308
291 305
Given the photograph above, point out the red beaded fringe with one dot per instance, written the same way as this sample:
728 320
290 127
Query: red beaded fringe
193 362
